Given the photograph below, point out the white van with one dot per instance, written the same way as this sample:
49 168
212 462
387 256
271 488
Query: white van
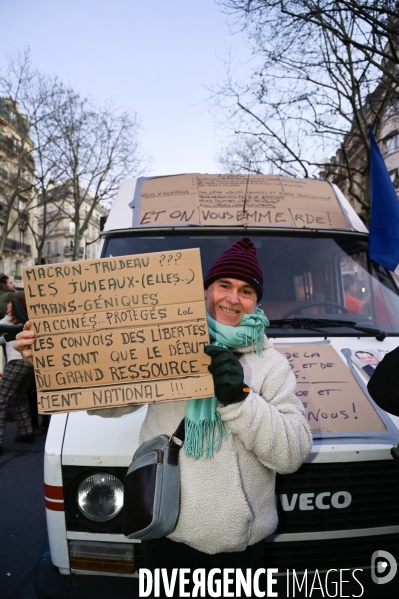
333 312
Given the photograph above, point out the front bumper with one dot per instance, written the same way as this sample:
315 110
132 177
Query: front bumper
50 584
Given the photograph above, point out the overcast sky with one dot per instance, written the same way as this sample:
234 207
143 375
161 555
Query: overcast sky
154 56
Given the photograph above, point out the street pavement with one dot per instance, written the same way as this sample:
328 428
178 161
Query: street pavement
22 514
23 532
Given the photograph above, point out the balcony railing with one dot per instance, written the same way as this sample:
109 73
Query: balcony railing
13 244
24 216
95 220
68 251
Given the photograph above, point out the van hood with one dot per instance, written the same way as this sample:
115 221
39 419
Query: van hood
111 442
96 441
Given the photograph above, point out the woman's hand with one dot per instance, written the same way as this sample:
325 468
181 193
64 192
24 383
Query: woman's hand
24 341
228 375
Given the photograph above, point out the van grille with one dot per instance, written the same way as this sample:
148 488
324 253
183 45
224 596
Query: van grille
373 486
328 553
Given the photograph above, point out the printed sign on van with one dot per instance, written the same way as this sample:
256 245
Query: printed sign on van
116 331
366 360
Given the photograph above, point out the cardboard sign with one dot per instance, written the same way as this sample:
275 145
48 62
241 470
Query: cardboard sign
112 396
333 400
231 200
112 331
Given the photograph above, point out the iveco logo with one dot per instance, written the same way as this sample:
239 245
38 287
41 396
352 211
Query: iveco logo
321 501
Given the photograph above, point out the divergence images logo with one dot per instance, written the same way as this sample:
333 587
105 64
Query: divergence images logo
379 566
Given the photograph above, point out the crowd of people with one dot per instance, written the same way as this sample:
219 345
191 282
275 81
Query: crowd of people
17 386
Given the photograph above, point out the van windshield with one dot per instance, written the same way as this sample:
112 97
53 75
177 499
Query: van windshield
307 279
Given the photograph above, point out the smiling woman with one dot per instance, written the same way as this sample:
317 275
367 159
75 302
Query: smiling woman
241 263
227 300
234 284
252 383
235 441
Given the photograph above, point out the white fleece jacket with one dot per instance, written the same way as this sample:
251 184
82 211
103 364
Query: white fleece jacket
228 501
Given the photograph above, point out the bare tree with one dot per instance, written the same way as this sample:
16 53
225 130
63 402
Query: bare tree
85 148
323 71
28 100
373 33
96 148
15 170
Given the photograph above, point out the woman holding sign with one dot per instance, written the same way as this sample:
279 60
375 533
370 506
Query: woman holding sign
236 441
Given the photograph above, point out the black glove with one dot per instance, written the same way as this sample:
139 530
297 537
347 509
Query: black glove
228 375
9 331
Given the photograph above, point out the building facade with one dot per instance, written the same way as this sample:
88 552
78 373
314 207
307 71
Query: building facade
352 158
57 225
390 142
18 200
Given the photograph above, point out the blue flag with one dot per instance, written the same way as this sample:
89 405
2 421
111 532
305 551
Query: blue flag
384 219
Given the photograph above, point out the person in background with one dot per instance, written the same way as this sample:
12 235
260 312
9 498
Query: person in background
38 429
14 384
236 441
352 303
7 292
42 428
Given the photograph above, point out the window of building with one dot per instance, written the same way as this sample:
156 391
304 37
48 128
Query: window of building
392 144
392 107
394 177
56 247
48 248
13 144
18 270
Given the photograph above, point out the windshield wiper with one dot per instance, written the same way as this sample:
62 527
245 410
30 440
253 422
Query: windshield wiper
314 323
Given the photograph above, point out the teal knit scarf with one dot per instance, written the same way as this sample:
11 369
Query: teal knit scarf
204 428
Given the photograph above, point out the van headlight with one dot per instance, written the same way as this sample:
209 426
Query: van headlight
100 497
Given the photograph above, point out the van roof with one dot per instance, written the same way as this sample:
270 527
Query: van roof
230 200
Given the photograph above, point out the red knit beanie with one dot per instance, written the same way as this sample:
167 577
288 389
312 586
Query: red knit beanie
238 262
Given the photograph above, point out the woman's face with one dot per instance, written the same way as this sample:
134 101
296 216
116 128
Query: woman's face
10 285
227 300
